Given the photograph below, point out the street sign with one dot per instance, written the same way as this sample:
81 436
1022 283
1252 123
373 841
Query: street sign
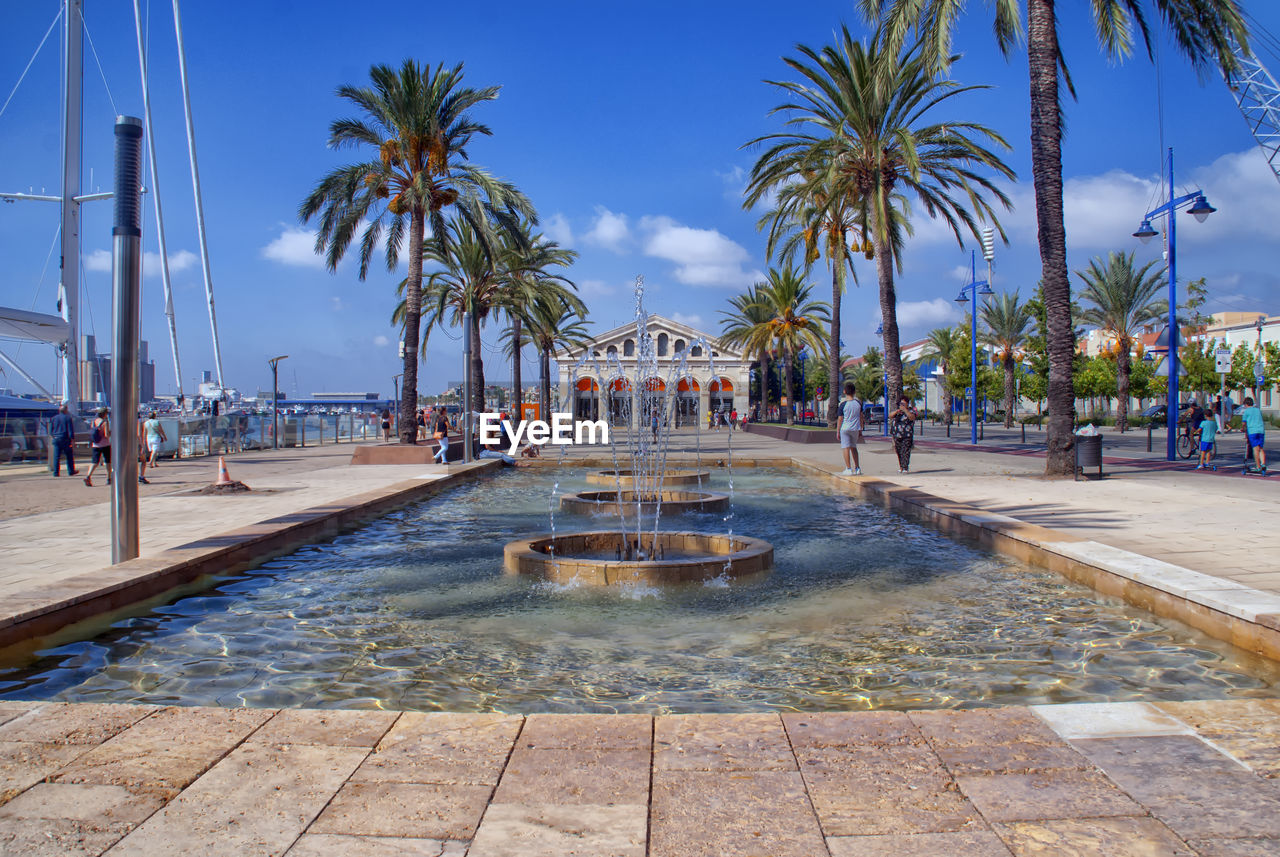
968 392
1259 372
1222 361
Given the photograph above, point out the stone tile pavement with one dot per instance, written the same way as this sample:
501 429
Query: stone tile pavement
1113 779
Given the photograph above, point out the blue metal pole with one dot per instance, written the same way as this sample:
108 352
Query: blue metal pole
973 354
1171 416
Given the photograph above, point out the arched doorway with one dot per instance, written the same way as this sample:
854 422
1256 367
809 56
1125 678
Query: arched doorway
653 400
620 402
687 402
586 400
721 395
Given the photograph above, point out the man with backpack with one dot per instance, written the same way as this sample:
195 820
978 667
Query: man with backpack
63 431
100 444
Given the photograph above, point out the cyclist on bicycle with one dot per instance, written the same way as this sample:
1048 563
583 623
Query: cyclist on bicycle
1191 420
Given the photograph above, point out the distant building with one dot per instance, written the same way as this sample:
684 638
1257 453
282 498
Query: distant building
320 397
95 373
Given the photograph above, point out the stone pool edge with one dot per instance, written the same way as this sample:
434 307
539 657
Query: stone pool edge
1225 610
44 610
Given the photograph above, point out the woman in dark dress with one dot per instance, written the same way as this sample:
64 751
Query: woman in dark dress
902 426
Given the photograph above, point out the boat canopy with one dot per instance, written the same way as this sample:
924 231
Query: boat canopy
32 326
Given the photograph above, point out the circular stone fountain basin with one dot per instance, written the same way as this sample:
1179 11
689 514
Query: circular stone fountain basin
624 502
668 477
588 558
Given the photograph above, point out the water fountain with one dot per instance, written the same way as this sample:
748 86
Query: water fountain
637 552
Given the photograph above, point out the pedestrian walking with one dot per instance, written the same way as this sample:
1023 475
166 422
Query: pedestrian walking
733 419
154 436
99 445
849 429
1228 411
1217 412
1208 431
422 424
63 431
441 434
1255 431
902 426
386 426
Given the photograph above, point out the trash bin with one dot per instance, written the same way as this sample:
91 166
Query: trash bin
1088 453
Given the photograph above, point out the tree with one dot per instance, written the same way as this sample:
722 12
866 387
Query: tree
746 325
1007 321
940 350
795 321
529 277
549 323
418 120
1119 300
859 136
1202 29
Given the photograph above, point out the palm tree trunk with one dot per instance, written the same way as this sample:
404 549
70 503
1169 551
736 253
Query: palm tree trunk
517 397
833 358
544 384
412 321
1008 390
888 311
477 365
786 370
1046 168
1123 369
764 386
946 396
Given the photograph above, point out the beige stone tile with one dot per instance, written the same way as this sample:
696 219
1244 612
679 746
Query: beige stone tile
73 723
710 814
257 800
597 777
1209 804
978 843
1138 760
334 728
24 764
404 809
982 727
860 728
1109 720
337 845
1244 847
1093 837
555 830
443 748
1248 729
587 731
890 790
721 742
162 753
60 837
89 803
1052 795
1020 758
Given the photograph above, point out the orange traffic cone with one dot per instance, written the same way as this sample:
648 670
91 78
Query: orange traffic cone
224 478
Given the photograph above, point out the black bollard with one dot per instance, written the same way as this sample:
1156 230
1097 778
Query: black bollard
1149 437
1024 432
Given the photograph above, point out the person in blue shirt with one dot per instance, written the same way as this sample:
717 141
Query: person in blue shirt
1255 430
63 431
1208 431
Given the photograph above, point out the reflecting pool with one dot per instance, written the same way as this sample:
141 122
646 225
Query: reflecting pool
864 609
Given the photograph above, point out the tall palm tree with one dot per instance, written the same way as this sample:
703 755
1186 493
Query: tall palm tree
549 324
530 274
795 321
1203 30
814 219
1008 323
418 120
941 349
746 326
1122 298
862 122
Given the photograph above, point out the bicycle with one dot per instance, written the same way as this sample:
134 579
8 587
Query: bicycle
1186 446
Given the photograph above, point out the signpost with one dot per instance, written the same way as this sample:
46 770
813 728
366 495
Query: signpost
1222 361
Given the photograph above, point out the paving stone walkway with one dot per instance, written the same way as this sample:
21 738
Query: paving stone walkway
1114 779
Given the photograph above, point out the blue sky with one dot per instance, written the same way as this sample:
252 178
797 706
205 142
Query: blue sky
623 123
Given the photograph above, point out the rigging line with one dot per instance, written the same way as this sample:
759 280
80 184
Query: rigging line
102 74
35 299
23 76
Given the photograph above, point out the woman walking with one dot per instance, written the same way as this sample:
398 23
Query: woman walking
100 444
902 426
442 434
386 426
155 436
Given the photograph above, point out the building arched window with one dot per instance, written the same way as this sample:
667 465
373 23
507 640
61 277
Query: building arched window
662 345
629 348
679 345
611 351
696 351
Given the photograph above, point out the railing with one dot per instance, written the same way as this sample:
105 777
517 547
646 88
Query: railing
25 441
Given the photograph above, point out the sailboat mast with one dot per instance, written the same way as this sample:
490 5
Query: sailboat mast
72 102
195 181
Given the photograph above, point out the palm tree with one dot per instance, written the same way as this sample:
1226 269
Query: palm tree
1122 299
418 121
795 321
813 218
859 124
1203 30
528 276
1008 323
549 324
943 342
746 326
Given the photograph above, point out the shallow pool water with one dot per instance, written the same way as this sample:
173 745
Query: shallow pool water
864 609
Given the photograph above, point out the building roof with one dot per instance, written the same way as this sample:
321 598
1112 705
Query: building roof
656 324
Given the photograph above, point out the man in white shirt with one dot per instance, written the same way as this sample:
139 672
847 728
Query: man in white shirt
849 430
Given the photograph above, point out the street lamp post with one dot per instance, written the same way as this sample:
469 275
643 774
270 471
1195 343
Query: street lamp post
1199 208
978 288
275 399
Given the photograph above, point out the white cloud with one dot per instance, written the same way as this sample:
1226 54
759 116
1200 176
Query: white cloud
100 260
556 227
595 288
381 341
703 257
692 319
927 313
294 246
609 231
338 306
